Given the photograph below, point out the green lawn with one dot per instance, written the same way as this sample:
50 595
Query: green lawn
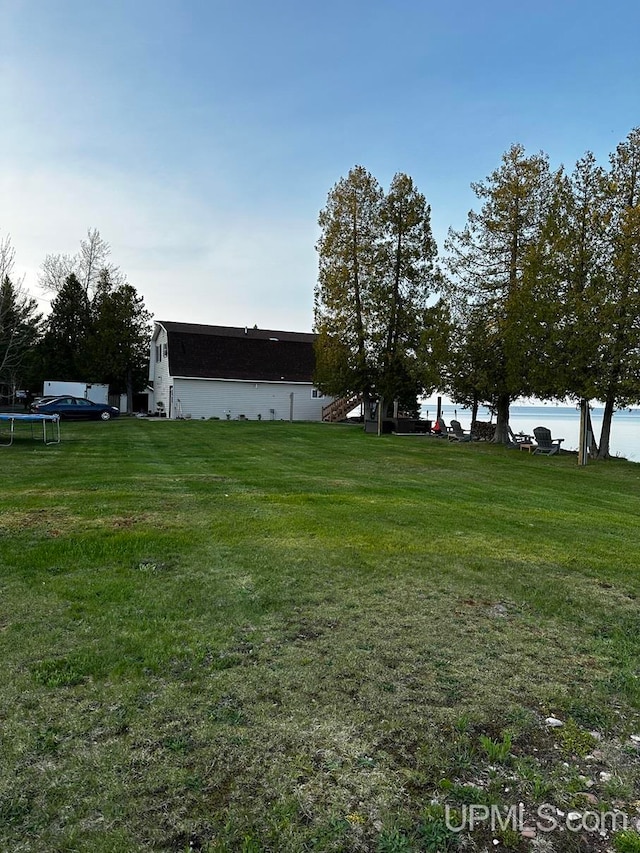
222 636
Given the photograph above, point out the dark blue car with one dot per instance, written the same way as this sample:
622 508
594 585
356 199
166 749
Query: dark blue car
75 408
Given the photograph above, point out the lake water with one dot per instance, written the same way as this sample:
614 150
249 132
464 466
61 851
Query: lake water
563 421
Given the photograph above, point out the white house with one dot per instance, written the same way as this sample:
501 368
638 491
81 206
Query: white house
233 373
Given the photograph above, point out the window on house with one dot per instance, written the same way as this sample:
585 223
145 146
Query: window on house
164 350
158 352
316 394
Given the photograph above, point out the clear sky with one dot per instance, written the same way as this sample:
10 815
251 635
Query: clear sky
201 137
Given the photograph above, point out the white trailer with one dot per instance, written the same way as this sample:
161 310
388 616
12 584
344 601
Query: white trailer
95 393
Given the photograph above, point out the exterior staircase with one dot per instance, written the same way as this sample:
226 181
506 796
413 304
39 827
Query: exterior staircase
338 409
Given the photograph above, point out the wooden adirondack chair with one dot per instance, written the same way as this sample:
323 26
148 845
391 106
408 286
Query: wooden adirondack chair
456 433
546 444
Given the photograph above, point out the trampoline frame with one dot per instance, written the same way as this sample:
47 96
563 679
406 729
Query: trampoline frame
22 418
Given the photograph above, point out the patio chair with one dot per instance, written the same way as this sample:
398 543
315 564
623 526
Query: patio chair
546 444
520 441
442 430
456 433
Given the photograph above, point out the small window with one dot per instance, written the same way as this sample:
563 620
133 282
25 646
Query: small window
164 350
316 394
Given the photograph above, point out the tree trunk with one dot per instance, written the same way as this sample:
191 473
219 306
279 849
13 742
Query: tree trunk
367 406
129 391
605 433
474 410
392 332
362 358
593 447
501 435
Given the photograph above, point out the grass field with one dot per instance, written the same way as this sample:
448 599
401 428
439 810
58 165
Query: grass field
271 637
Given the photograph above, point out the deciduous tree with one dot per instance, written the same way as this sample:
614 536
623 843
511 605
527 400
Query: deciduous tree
87 265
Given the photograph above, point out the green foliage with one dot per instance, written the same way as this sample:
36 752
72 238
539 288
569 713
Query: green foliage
575 740
20 323
489 293
64 350
509 838
19 330
98 329
464 794
567 270
545 285
627 841
585 270
497 750
350 225
433 834
534 782
376 272
393 841
119 339
57 673
336 372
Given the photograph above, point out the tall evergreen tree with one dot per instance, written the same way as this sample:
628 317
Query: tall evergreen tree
568 270
65 352
401 299
19 331
120 337
489 290
469 360
571 273
348 251
618 373
376 272
586 269
20 322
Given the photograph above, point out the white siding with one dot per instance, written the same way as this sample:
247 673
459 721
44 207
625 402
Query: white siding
208 398
159 371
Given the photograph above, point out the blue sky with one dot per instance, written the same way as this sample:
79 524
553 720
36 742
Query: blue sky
202 138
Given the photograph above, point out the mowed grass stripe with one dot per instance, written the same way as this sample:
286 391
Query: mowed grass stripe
272 636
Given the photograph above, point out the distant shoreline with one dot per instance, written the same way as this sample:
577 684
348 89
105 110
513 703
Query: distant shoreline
562 420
